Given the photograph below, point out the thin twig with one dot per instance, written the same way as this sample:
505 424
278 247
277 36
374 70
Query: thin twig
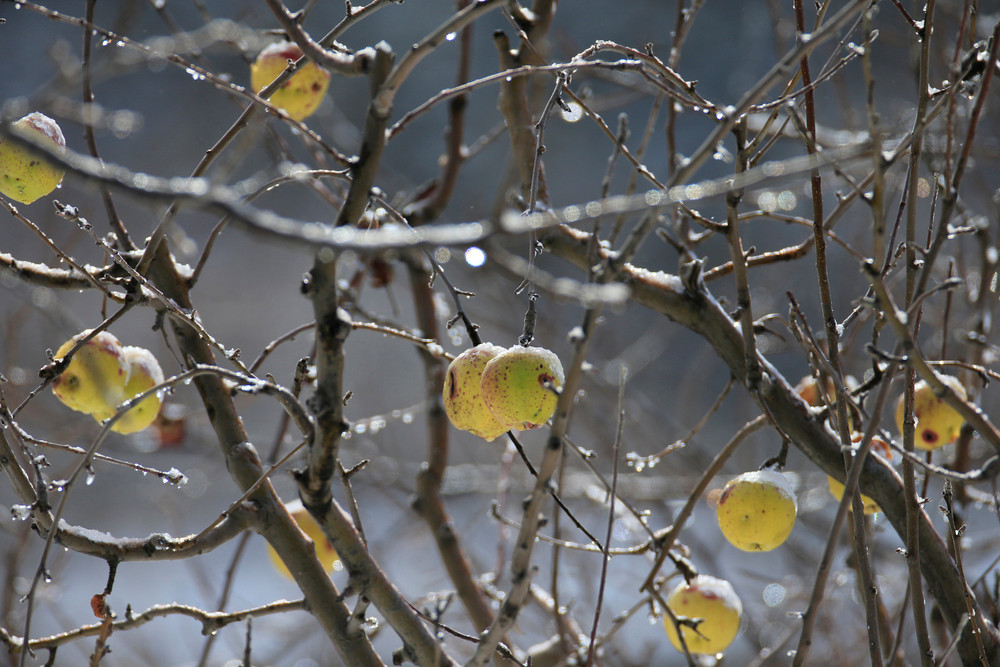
670 536
623 374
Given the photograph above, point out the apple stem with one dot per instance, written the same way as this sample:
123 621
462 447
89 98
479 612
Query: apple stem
530 317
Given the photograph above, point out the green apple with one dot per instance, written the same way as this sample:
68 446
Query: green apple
307 524
756 510
938 423
520 386
713 603
144 373
25 175
463 400
94 381
301 95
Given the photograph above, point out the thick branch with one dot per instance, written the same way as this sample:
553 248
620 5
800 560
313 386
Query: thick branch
276 524
428 502
43 275
692 306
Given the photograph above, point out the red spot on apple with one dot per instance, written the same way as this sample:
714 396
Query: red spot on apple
291 52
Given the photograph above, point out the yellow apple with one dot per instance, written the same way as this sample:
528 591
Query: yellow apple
938 423
94 381
324 551
463 400
301 95
714 602
25 175
756 510
520 385
880 449
143 373
103 374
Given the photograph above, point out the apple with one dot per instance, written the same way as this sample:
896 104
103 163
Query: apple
756 510
809 391
324 551
714 606
520 386
463 399
301 95
103 374
938 423
25 175
143 374
880 448
94 380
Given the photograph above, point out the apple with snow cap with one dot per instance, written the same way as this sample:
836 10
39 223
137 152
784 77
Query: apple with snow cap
463 399
25 174
302 94
713 606
521 385
756 510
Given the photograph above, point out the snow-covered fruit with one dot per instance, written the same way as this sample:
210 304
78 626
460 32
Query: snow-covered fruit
144 373
103 374
880 449
520 386
490 390
94 380
324 551
937 423
719 609
756 510
25 175
463 399
302 94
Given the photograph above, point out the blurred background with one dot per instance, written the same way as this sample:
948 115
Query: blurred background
249 295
